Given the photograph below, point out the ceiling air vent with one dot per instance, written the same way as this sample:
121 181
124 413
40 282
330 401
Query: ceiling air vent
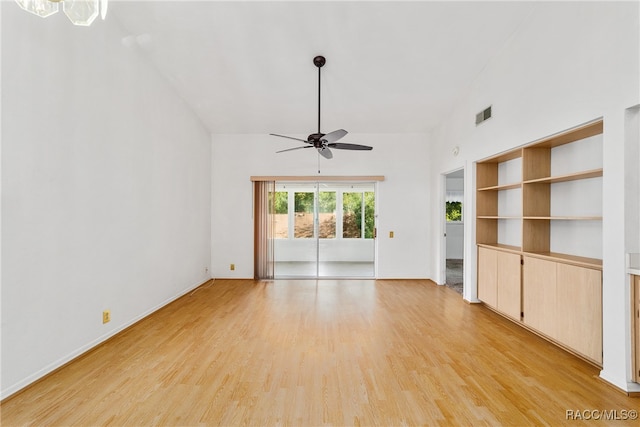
483 115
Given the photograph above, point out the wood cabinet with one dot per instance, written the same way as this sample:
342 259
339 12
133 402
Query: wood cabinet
564 302
509 284
525 211
635 325
539 301
579 309
488 276
499 281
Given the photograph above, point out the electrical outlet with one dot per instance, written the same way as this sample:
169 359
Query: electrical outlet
232 267
106 316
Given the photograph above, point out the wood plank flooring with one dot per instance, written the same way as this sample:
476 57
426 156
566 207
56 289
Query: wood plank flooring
311 353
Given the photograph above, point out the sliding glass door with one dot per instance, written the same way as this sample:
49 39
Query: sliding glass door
324 230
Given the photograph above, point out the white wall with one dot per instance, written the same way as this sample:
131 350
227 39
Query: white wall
570 63
402 199
105 191
632 176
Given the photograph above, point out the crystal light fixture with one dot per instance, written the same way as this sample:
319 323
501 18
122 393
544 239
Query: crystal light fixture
79 12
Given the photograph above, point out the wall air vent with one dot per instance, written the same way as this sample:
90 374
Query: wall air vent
483 115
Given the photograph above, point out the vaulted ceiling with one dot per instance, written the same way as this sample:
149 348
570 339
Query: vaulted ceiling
392 67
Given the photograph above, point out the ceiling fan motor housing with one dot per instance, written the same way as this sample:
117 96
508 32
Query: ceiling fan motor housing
316 139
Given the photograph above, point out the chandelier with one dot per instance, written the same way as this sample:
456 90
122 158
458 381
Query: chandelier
79 12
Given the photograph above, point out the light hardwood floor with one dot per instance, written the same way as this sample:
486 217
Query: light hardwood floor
327 352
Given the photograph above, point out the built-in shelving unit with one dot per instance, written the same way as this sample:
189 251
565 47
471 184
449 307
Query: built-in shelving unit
520 272
536 186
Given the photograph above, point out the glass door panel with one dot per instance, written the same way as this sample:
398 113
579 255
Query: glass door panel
304 219
352 252
296 246
325 230
327 214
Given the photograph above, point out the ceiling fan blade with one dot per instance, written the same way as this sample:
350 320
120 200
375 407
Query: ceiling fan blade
290 137
295 148
332 137
325 152
345 146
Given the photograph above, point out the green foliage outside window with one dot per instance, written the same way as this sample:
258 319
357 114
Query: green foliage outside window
369 214
327 202
281 202
352 215
303 202
352 204
454 211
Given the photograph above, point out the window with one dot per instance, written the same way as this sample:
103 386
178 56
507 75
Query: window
358 210
454 205
281 207
327 213
454 211
303 222
369 214
347 213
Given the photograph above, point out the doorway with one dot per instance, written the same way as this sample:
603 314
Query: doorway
324 230
454 230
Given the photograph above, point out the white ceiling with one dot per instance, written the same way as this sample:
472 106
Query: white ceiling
246 67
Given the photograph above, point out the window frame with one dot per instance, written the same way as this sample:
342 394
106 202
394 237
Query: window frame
292 188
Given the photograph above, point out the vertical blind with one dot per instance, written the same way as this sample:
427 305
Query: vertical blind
264 223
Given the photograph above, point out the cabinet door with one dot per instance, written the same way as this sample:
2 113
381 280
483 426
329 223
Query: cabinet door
539 295
509 272
579 299
636 316
487 276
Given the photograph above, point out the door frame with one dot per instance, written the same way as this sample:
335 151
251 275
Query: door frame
317 183
442 280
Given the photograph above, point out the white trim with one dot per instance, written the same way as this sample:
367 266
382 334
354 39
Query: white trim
25 382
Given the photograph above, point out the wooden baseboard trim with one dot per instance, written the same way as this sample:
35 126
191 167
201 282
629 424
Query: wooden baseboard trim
546 338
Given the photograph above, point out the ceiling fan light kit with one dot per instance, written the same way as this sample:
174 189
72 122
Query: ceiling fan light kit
320 141
79 12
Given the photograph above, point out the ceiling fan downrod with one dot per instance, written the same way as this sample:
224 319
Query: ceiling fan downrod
319 62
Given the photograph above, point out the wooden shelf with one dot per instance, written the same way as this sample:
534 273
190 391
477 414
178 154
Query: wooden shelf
594 173
542 218
593 263
565 218
501 187
572 135
501 247
504 157
567 259
535 204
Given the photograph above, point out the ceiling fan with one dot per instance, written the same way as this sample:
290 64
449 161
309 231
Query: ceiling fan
320 141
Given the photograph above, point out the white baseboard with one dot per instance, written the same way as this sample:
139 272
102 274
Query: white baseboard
14 388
